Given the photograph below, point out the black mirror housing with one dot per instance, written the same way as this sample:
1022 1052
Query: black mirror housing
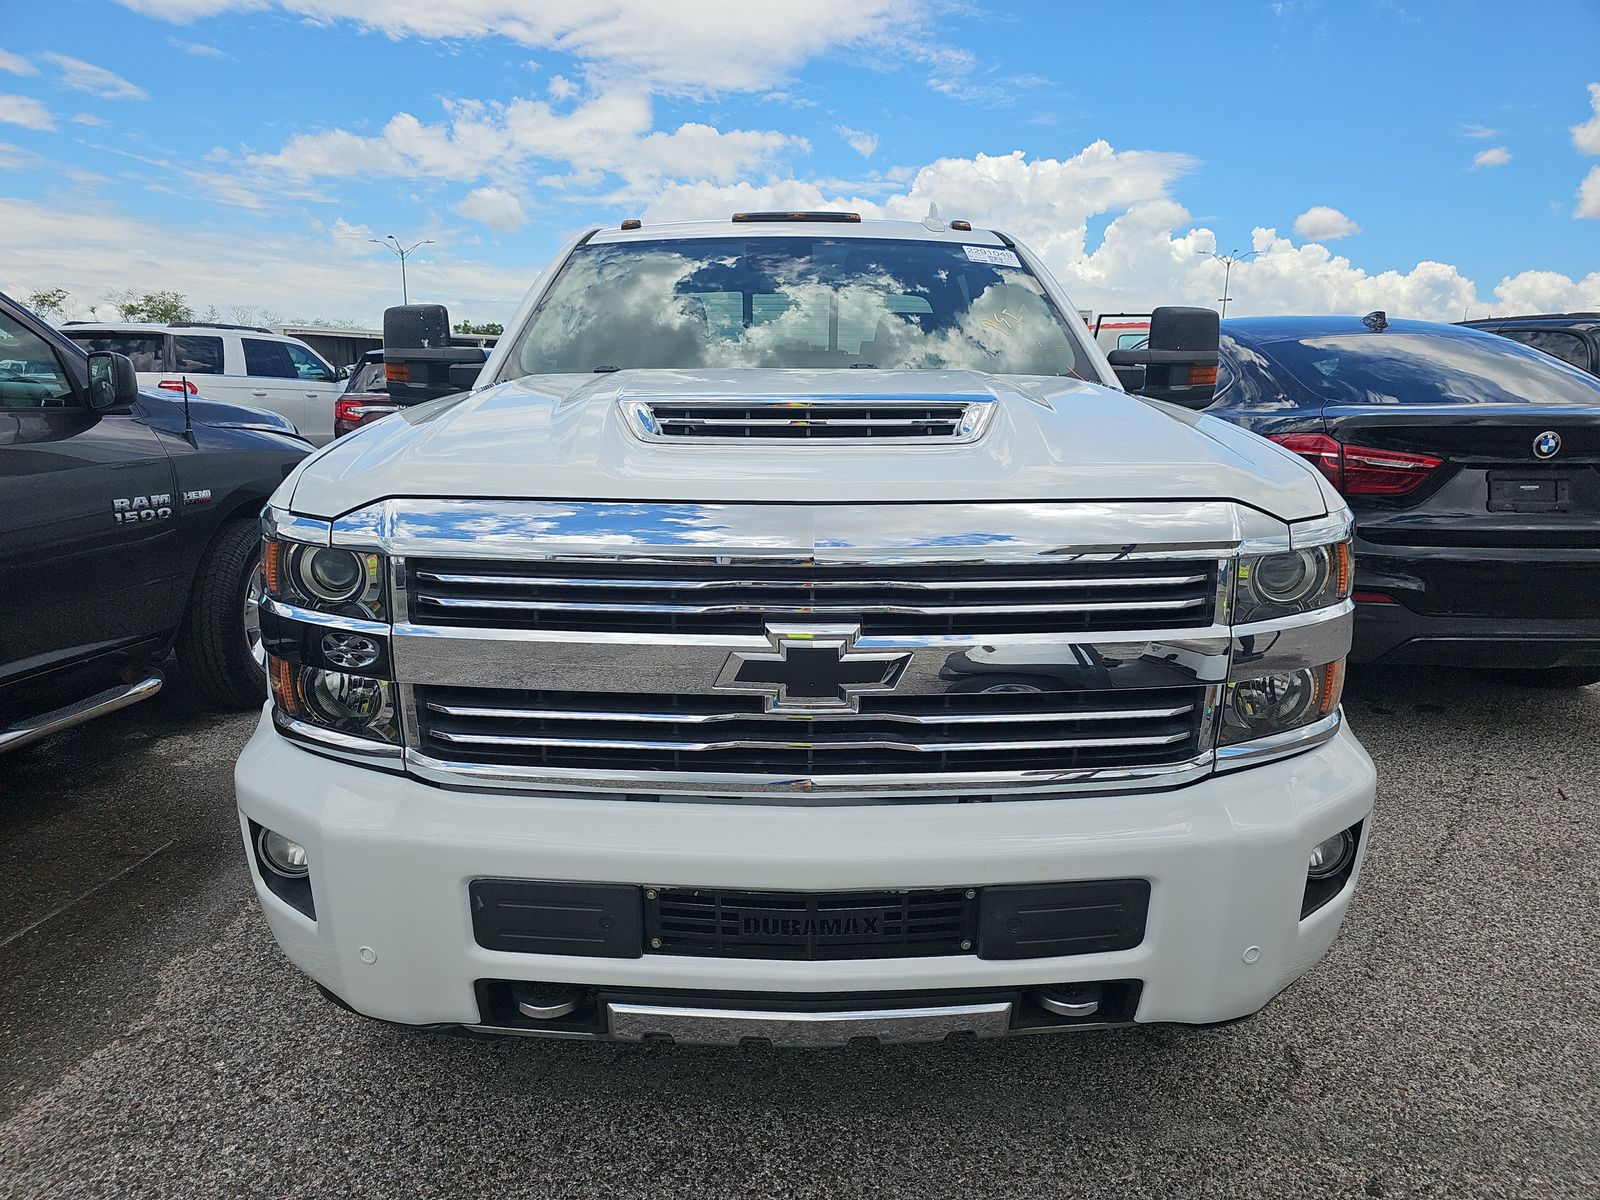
1180 364
113 383
420 362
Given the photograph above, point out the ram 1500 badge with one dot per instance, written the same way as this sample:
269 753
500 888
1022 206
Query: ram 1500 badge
798 632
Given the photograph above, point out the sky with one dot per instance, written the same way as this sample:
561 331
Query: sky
1433 158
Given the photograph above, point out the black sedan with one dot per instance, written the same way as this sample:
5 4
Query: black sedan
1472 464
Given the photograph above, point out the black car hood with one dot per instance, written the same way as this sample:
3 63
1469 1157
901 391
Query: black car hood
167 412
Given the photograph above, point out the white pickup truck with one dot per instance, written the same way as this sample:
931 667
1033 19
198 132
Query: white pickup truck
798 633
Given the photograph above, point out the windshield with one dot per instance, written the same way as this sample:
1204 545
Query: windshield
797 302
1431 368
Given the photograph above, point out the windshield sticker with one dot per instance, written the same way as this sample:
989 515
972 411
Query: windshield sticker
993 256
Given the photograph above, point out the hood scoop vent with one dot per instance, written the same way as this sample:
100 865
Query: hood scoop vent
830 418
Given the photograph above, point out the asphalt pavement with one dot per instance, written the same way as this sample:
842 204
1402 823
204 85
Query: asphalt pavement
154 1042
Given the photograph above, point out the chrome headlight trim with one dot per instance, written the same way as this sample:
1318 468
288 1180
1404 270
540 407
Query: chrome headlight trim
1279 745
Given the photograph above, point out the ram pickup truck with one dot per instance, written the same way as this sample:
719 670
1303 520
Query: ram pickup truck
128 531
799 632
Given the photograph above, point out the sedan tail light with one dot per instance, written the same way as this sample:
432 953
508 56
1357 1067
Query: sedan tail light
179 385
1361 470
360 409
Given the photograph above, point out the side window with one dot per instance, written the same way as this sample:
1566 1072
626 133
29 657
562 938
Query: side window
196 355
268 359
145 349
1568 347
30 373
306 364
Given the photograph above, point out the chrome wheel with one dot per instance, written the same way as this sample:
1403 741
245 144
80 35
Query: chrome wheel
252 617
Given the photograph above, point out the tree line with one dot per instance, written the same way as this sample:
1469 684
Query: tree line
164 308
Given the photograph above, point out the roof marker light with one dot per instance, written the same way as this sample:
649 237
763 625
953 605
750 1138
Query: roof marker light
843 217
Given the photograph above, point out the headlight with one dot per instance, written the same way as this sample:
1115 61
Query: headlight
1280 702
354 705
326 578
1292 581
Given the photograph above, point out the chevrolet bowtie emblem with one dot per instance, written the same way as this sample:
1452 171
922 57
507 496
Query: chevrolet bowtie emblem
813 670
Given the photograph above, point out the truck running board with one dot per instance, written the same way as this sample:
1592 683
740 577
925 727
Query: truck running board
98 705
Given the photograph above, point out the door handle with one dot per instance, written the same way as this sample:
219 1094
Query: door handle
259 392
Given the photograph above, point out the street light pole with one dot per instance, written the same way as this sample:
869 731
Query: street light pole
392 244
1228 260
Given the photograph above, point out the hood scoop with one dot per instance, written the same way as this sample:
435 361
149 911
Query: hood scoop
833 418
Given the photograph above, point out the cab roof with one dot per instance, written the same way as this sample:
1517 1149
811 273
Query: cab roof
908 230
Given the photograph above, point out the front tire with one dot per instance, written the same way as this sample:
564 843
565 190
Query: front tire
215 649
1553 677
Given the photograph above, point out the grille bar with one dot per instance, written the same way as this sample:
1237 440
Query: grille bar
481 579
921 610
718 734
891 600
512 713
876 744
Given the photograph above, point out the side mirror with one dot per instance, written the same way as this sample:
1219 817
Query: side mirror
1180 363
341 373
419 361
113 384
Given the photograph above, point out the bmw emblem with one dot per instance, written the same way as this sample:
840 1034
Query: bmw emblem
1547 444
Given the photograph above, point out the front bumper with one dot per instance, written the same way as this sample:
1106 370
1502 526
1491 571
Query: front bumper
1510 607
392 858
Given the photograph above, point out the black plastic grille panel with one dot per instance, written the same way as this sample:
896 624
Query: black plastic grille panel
810 925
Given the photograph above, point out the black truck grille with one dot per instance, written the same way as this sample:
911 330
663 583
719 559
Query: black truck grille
810 925
654 598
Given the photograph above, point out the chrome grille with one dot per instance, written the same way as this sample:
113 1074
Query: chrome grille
927 735
938 599
842 418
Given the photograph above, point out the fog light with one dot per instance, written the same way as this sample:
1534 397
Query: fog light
1331 855
287 858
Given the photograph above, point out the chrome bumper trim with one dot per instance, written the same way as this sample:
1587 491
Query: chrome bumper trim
690 787
732 1026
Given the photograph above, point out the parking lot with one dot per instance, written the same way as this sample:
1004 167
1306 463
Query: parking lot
157 1043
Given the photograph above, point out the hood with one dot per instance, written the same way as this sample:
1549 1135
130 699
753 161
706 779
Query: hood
566 437
218 414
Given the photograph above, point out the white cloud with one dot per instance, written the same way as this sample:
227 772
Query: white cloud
90 119
1547 291
1586 136
864 144
97 81
672 45
561 88
1150 252
1494 156
1323 224
495 207
93 250
198 49
25 111
609 133
1589 196
1478 131
16 64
